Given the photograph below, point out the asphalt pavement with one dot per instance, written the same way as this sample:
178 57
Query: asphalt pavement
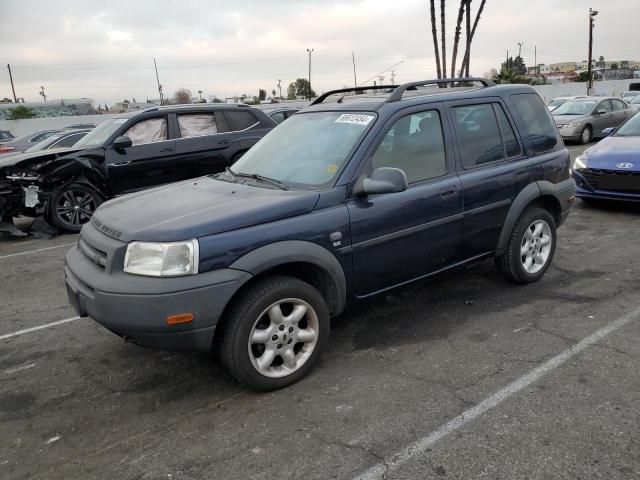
465 376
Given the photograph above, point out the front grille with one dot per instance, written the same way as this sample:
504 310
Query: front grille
96 256
601 179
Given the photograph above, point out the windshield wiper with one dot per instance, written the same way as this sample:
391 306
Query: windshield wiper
257 176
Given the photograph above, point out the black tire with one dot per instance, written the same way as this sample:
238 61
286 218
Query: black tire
586 135
62 212
510 265
249 309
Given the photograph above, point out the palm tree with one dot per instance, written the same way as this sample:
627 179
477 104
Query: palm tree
434 32
456 38
465 60
444 41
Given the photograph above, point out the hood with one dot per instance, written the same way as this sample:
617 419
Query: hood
28 160
562 119
197 208
611 151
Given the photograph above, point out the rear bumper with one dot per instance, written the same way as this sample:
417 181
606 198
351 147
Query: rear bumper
136 307
565 193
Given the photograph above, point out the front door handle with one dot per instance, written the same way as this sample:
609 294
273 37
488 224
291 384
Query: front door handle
224 142
120 164
167 149
448 192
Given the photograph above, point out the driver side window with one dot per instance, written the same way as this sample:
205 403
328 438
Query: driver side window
148 131
606 106
415 145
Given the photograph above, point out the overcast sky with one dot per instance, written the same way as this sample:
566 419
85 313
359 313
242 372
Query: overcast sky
105 49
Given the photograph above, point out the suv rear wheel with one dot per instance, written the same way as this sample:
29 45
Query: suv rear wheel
72 205
275 333
531 247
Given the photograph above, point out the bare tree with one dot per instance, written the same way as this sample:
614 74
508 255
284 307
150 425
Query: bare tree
182 96
456 38
444 38
465 60
434 32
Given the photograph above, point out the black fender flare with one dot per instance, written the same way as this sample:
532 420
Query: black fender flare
275 254
524 198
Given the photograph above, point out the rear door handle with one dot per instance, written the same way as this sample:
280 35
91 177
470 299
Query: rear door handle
167 149
448 192
120 164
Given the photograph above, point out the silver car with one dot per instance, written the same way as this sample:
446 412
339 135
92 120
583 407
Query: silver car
585 118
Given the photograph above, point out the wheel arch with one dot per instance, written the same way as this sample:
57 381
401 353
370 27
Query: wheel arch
306 261
540 193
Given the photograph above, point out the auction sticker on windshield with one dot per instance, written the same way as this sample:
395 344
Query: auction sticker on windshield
357 119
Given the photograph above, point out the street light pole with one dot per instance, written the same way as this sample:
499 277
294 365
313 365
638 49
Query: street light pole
592 14
310 51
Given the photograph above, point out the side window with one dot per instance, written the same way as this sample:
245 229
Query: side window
197 124
478 135
41 136
511 145
539 129
618 105
240 120
604 106
278 117
69 140
414 144
148 131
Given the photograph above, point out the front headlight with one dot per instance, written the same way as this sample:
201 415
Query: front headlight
579 162
162 259
572 125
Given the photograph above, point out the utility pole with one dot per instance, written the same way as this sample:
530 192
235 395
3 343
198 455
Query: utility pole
158 80
592 14
393 77
15 100
310 51
280 88
520 49
355 79
535 58
43 94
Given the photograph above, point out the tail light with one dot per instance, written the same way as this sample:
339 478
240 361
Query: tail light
7 149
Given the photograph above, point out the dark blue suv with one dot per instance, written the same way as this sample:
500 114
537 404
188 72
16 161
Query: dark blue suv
346 199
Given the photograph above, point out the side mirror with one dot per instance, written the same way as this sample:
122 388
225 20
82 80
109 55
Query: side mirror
383 180
609 131
122 142
601 112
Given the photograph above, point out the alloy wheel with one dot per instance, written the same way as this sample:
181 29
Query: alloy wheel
283 337
535 248
75 207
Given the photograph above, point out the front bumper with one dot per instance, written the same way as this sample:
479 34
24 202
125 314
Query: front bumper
136 307
585 190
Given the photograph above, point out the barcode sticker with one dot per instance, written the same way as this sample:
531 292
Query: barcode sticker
355 118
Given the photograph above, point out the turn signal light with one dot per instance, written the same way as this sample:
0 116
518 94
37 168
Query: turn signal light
180 318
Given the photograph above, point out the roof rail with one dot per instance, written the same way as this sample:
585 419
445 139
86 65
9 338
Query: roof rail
397 93
324 96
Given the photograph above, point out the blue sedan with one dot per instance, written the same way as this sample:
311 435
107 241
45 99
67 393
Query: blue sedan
610 170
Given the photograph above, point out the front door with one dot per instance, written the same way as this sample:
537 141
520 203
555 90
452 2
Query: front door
150 161
398 237
605 119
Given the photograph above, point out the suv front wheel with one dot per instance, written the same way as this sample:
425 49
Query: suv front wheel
275 333
531 247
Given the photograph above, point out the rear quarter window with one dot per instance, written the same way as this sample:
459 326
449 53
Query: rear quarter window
240 120
540 131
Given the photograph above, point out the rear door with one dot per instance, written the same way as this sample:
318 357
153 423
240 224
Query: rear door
150 161
489 169
621 111
398 237
202 143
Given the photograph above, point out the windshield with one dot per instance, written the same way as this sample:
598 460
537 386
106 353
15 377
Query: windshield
575 107
42 145
631 128
308 150
99 135
635 100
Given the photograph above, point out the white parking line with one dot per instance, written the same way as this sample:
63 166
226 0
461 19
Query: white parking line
39 327
18 369
36 251
422 445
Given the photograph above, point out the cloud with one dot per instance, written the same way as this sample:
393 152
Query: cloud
105 50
